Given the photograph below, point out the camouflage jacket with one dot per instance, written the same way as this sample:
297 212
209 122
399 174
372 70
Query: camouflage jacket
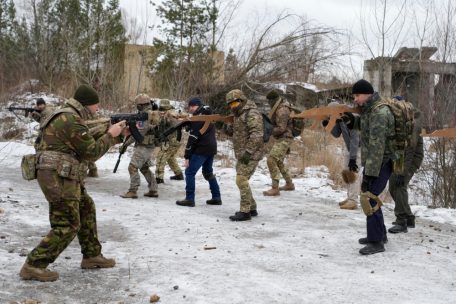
281 120
248 131
376 124
68 134
41 116
170 120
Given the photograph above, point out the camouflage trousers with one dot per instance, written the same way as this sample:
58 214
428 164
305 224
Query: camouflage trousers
243 174
92 166
276 160
71 212
141 160
167 155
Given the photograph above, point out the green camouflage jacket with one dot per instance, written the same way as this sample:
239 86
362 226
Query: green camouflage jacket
67 133
282 122
376 124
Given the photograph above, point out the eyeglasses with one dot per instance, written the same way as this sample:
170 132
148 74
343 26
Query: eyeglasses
234 104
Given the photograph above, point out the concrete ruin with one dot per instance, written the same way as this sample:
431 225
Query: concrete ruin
428 84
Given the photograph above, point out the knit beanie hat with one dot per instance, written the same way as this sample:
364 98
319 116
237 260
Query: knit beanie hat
86 95
195 101
362 87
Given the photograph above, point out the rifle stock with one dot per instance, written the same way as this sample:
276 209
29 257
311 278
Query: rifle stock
332 113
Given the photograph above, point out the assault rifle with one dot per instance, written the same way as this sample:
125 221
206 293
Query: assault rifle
132 119
207 119
26 109
447 132
323 113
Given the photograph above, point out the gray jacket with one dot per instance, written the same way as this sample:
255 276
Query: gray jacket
351 137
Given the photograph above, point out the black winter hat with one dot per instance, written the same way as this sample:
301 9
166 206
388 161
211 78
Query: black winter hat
40 101
274 94
86 95
195 101
362 87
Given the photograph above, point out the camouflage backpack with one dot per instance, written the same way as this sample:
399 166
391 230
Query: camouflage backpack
404 123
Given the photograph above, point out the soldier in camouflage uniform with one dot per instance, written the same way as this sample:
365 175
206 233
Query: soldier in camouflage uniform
247 132
398 184
283 136
376 125
170 147
65 144
43 110
142 158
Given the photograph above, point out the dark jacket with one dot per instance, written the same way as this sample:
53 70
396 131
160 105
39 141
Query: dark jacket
205 144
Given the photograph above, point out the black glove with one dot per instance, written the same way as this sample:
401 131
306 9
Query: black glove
349 119
367 182
324 123
245 158
352 165
400 180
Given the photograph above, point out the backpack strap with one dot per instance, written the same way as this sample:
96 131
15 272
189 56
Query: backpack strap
48 119
274 108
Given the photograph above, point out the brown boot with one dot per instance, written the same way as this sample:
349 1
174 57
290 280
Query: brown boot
93 173
349 205
274 191
343 202
129 194
151 193
29 272
97 262
288 187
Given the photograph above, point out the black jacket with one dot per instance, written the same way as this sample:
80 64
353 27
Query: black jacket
205 144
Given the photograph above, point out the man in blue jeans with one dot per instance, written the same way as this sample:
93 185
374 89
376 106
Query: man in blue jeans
199 152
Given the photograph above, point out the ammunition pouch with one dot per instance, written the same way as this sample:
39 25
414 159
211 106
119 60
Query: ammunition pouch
365 198
66 165
28 166
399 163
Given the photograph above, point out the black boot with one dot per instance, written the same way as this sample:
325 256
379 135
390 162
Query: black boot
253 213
410 222
372 247
240 216
177 177
186 203
399 227
159 180
364 241
214 201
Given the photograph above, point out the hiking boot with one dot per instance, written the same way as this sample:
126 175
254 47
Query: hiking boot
186 203
364 241
253 213
151 193
159 180
343 202
93 173
410 222
214 201
274 191
241 216
177 177
129 194
29 272
398 229
287 187
349 205
372 247
97 262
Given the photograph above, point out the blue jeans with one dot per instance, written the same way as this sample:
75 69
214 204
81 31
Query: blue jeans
375 224
195 163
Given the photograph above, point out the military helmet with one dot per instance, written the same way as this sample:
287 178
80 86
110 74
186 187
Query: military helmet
235 95
142 99
165 104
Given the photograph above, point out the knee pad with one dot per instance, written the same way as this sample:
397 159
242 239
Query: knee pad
368 209
132 169
208 176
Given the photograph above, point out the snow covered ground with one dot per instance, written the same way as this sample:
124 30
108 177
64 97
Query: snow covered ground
300 249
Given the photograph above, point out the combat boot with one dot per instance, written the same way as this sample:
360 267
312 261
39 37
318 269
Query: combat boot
151 193
364 241
253 213
129 194
287 187
343 202
93 173
177 177
28 272
349 205
372 247
401 226
410 222
186 203
97 262
214 201
274 191
159 180
241 216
